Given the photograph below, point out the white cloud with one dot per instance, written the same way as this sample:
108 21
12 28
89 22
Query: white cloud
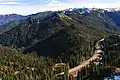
97 3
58 6
54 1
51 1
102 5
52 5
8 3
30 9
9 0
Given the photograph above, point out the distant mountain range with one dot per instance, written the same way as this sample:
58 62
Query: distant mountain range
4 19
53 33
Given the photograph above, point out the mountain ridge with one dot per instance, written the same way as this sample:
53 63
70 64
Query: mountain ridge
54 29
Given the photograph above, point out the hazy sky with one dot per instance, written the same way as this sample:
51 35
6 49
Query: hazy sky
33 6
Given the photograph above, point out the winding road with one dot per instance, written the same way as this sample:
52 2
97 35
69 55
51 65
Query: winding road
98 53
96 58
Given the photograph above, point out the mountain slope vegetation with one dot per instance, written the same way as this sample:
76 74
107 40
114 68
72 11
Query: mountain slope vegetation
62 36
56 31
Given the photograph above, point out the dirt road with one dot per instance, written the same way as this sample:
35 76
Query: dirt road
85 64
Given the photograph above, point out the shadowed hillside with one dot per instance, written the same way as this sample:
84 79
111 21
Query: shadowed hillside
56 31
62 36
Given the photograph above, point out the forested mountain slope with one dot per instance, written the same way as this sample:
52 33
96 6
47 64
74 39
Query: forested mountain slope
61 36
53 33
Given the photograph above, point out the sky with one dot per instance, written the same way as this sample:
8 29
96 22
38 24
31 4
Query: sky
25 7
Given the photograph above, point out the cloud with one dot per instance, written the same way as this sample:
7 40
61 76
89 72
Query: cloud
96 3
54 1
58 6
55 5
47 5
9 2
102 5
31 9
51 1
